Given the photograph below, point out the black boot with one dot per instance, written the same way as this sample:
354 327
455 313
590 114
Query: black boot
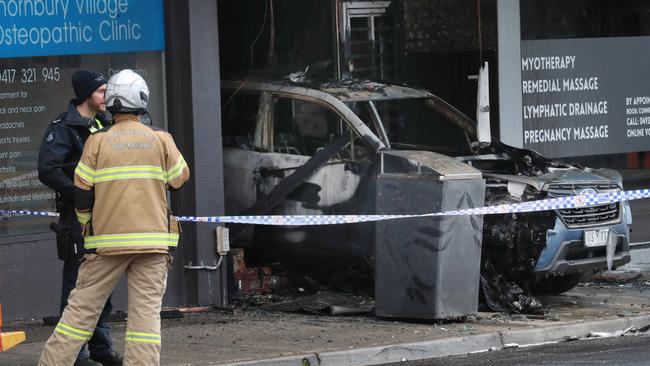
111 359
86 362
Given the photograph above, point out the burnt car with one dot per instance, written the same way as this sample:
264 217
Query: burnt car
298 148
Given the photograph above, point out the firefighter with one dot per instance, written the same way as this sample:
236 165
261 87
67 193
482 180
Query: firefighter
58 156
121 202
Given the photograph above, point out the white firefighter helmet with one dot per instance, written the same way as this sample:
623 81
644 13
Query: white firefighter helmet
127 92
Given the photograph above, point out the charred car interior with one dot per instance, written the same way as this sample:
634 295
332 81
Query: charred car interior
362 147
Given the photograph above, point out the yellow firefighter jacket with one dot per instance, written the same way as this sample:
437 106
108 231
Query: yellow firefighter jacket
129 166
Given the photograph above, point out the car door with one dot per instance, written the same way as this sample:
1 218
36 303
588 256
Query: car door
300 128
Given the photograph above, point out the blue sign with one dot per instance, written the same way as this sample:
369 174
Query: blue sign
73 27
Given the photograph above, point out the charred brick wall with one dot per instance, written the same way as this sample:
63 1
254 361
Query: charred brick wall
449 25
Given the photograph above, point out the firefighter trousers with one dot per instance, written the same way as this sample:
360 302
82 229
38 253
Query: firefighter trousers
146 276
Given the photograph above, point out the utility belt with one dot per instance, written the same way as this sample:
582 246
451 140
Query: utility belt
69 245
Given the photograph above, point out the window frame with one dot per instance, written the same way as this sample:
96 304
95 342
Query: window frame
268 125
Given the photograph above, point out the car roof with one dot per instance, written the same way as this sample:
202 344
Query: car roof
342 91
355 90
347 90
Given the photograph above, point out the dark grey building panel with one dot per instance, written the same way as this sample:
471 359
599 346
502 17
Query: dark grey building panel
193 81
30 278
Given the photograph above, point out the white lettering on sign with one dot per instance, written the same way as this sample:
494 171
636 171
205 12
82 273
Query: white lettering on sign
547 135
59 8
116 31
591 132
547 63
20 8
565 109
559 85
112 8
117 26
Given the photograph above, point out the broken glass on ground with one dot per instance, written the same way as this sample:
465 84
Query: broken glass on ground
324 302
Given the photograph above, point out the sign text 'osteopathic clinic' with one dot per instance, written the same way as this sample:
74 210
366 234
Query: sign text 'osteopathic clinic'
68 27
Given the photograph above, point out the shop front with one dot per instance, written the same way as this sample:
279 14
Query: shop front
42 43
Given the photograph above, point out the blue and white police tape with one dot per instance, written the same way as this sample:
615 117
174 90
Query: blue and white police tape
567 202
6 213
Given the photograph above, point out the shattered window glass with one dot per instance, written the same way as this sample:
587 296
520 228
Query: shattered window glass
421 127
302 127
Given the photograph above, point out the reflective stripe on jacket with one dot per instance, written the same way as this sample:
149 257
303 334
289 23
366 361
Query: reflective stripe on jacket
130 166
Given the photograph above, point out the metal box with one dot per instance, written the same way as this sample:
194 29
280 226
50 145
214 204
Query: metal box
427 268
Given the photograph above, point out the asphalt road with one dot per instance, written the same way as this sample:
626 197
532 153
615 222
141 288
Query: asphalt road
617 351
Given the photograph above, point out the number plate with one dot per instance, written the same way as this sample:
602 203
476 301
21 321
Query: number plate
596 238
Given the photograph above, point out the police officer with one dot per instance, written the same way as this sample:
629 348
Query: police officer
60 151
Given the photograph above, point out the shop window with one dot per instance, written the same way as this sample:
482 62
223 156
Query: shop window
33 92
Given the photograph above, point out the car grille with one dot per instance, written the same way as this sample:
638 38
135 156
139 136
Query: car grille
586 216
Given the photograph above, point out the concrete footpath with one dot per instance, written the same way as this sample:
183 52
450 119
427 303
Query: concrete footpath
253 336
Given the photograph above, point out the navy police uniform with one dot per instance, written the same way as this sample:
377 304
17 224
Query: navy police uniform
60 151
